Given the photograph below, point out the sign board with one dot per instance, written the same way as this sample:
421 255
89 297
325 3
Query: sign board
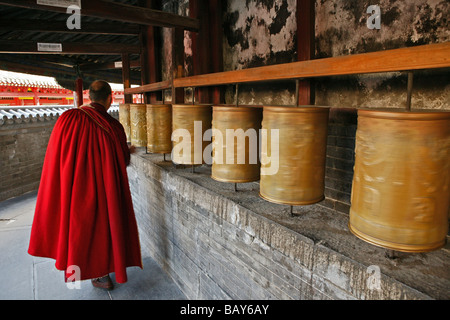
59 3
49 47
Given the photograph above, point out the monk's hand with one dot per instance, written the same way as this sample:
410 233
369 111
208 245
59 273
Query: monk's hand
132 149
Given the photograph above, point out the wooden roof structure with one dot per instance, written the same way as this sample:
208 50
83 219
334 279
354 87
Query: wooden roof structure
35 38
118 42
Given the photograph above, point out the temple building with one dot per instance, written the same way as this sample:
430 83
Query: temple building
285 149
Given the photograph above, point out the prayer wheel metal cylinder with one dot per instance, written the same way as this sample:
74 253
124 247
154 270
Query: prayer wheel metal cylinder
400 193
159 128
235 143
295 174
138 125
124 118
189 124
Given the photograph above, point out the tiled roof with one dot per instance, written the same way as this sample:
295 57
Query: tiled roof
27 114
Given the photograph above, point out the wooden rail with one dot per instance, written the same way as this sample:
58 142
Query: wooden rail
406 59
116 11
156 86
429 56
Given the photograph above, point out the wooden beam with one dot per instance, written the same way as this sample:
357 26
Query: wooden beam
34 69
126 76
78 92
150 39
58 60
207 55
61 27
177 63
118 12
429 56
51 70
152 87
305 47
216 27
7 46
107 66
200 45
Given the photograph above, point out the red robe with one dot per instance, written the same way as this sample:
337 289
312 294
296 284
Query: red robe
84 213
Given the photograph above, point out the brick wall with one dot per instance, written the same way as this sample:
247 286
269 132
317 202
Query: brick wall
220 244
340 159
23 143
22 155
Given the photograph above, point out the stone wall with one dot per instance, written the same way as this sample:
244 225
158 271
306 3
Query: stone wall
22 155
24 135
220 244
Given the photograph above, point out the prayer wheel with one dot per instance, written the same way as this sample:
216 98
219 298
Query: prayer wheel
189 124
159 128
138 125
293 162
235 143
400 193
124 118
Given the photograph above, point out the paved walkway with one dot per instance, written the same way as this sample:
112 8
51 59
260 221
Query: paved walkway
29 278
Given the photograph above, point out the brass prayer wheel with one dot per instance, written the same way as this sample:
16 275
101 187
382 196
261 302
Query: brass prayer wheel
400 193
235 143
138 124
124 118
189 123
159 128
293 166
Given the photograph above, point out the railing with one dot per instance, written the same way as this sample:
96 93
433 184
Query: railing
409 59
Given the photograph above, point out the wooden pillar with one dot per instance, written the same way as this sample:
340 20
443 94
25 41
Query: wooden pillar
178 62
305 46
150 40
79 92
207 46
144 60
128 98
216 29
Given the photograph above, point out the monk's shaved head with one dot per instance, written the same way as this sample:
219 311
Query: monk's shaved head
100 91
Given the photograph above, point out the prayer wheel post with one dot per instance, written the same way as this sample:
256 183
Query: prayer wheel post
78 92
128 98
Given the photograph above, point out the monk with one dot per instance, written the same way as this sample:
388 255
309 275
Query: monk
84 216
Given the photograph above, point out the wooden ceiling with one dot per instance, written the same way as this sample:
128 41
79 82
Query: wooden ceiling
109 30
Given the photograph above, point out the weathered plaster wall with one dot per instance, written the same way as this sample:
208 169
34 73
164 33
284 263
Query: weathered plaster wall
264 32
341 25
341 29
260 33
